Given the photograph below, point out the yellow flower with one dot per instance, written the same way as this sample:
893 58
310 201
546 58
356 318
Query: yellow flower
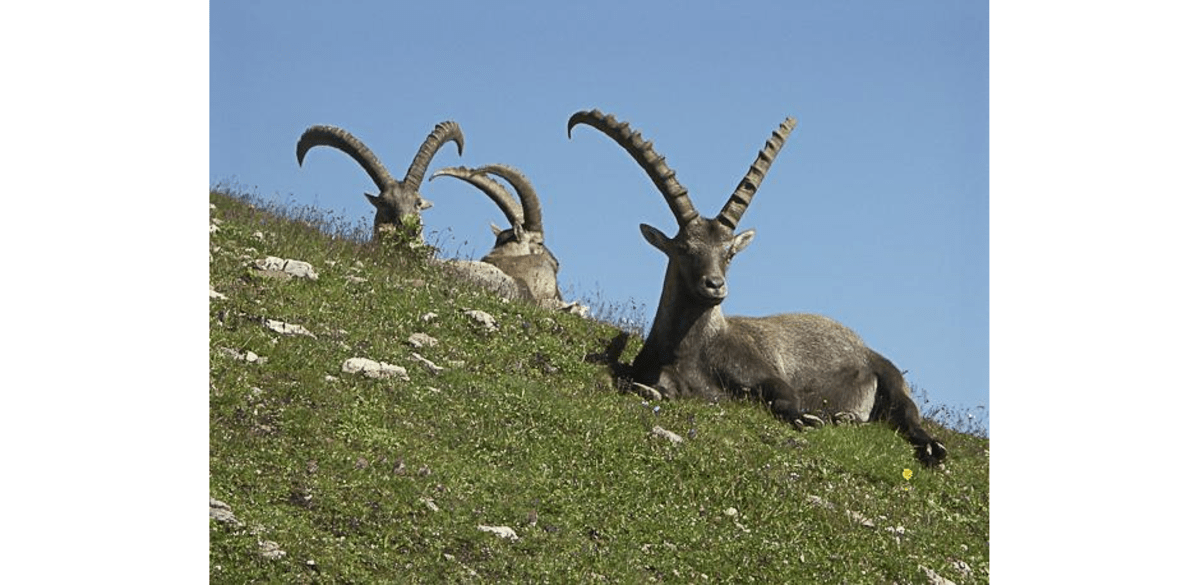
907 474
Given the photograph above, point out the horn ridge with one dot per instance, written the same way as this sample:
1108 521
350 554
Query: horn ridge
642 151
332 136
442 133
731 214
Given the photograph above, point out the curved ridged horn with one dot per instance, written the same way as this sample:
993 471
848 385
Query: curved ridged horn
530 204
650 161
731 214
441 134
494 190
347 143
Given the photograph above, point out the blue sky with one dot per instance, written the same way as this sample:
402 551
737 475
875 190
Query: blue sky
875 213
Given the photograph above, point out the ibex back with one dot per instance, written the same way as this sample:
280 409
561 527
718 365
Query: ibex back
805 367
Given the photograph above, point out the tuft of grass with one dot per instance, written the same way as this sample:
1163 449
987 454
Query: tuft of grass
366 480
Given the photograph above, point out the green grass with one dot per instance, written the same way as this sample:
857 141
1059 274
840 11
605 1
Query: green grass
521 430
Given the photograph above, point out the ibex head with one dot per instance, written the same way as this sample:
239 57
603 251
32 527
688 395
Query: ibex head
525 234
398 203
699 254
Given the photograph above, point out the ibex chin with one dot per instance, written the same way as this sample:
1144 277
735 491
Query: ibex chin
520 250
805 367
398 205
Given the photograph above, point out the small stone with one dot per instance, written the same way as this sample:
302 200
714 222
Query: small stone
501 531
288 328
731 512
270 550
817 501
432 367
221 512
857 517
296 268
373 369
487 321
934 578
419 340
658 431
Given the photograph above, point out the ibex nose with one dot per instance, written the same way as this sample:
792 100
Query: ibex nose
714 282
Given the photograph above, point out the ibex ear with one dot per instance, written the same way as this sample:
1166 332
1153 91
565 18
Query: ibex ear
740 242
374 199
656 238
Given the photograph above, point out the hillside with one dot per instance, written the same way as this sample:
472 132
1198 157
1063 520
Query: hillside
504 453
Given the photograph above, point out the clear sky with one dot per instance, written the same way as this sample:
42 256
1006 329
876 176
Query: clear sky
875 213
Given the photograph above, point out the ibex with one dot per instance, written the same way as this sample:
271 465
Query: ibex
398 205
520 250
805 367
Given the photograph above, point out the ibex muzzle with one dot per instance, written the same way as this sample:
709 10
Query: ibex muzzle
808 368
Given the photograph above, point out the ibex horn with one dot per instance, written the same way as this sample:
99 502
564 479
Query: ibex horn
731 214
495 191
441 134
650 161
530 204
347 143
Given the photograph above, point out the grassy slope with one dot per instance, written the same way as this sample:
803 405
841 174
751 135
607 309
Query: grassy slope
344 473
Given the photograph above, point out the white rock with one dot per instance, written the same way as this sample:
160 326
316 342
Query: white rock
373 369
221 512
212 294
934 578
817 501
501 531
419 340
859 518
288 328
432 367
488 321
295 268
658 431
270 550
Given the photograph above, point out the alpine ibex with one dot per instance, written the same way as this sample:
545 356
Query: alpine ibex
805 367
398 205
520 250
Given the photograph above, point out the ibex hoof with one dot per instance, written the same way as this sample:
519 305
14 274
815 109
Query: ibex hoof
843 418
810 420
932 453
647 392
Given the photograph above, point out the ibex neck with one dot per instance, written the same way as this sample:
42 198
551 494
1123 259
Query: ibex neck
680 321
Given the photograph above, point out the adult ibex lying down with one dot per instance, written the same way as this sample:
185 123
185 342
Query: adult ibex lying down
398 201
520 251
801 365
